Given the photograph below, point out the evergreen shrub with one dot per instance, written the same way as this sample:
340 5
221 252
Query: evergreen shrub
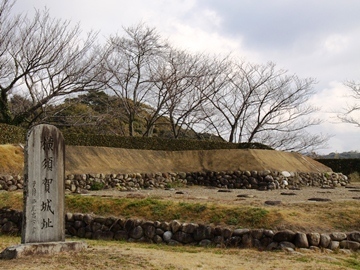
345 166
12 134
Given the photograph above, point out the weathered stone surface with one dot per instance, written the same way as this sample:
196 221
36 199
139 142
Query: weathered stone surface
34 249
78 224
44 198
284 236
159 231
167 236
96 226
350 245
189 227
12 188
88 219
228 180
165 226
272 246
218 239
149 231
288 193
247 241
226 233
285 174
240 232
269 233
137 232
257 233
203 232
157 239
325 240
286 244
175 226
273 202
338 236
246 196
233 241
334 245
354 236
130 224
301 240
313 239
320 199
183 237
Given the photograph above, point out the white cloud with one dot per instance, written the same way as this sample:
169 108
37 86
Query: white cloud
336 43
198 40
331 100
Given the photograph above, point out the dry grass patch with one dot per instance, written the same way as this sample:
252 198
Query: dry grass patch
11 159
305 217
123 255
355 177
13 200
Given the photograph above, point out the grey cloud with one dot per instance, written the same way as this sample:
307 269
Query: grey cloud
280 23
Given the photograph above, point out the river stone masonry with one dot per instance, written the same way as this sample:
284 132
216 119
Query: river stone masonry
262 180
177 233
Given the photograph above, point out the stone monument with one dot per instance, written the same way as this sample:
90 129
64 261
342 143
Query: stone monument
43 218
43 225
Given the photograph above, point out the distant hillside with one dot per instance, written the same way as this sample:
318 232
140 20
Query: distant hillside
343 155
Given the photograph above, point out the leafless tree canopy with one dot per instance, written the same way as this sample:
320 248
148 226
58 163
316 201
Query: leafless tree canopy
45 60
130 63
351 113
259 103
42 59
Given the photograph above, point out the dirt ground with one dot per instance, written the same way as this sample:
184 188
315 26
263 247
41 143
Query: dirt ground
122 255
240 196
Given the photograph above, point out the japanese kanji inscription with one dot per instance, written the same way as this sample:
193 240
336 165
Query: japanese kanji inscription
43 219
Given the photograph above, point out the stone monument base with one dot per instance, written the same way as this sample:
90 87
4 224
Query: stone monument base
47 248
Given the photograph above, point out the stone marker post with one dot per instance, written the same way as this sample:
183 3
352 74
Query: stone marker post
43 219
43 227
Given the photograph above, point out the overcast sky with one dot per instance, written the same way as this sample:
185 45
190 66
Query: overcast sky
310 38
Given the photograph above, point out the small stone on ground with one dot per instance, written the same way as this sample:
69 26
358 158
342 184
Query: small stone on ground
288 193
273 202
320 199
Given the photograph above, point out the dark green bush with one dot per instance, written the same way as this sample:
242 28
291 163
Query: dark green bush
154 143
345 166
97 186
11 134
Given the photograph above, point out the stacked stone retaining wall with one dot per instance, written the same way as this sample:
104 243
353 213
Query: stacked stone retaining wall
177 233
262 180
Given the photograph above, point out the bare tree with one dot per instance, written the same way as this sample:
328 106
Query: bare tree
192 76
44 59
350 113
130 62
258 103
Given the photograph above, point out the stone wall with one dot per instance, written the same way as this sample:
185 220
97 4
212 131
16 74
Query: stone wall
177 233
261 180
